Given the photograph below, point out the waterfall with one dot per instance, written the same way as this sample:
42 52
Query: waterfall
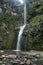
25 13
21 30
19 37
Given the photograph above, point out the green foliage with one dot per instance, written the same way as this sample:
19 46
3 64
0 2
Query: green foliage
9 22
35 36
0 64
6 31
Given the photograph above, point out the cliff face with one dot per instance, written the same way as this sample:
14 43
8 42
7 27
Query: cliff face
36 29
8 23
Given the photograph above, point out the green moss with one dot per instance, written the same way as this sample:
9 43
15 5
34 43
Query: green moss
36 19
0 63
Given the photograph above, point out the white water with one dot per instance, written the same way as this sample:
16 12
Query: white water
21 30
25 13
19 37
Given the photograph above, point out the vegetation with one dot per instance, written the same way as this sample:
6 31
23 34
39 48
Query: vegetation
36 30
0 64
8 22
40 57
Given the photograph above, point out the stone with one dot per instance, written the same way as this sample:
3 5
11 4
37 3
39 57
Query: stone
21 63
3 64
1 51
3 56
28 62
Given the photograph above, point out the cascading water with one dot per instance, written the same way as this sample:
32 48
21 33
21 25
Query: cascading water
25 13
19 37
21 30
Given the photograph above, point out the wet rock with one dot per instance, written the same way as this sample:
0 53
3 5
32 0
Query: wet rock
22 63
28 62
1 51
3 56
3 64
12 56
8 64
34 59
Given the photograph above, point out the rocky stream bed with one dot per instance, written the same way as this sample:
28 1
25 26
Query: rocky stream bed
22 58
